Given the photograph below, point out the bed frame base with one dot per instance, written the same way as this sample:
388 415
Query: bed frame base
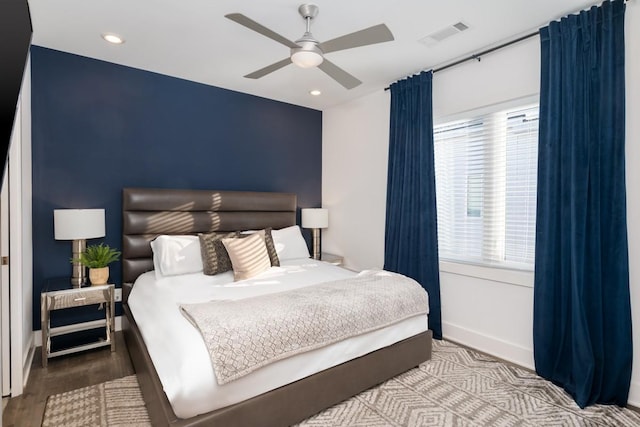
286 405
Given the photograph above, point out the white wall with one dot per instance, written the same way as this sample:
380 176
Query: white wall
491 311
355 138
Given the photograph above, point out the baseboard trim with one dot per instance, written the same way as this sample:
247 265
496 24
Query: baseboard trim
491 345
634 394
26 370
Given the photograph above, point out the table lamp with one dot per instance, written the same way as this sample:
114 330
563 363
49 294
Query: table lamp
78 225
315 218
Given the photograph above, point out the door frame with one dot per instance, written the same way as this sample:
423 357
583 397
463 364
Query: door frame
5 319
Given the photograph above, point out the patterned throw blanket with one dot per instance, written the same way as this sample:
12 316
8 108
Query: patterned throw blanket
244 335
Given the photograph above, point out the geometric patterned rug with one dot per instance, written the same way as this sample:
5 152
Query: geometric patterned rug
461 387
457 387
116 403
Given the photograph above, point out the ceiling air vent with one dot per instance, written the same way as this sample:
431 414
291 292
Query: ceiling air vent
444 33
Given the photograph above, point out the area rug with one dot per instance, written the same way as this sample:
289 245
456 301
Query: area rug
457 387
113 403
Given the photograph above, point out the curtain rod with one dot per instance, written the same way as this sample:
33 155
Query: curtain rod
478 56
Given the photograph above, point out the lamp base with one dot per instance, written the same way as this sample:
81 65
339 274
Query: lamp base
78 271
315 234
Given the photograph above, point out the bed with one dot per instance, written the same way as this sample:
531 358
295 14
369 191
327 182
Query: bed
148 213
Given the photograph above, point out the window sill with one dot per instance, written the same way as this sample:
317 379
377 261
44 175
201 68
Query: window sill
503 275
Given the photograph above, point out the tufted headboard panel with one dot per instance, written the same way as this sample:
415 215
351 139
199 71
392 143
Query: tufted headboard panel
149 212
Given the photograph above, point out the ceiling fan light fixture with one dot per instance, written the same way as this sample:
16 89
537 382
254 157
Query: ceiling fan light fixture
308 55
305 59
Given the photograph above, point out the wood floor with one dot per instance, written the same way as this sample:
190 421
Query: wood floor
64 374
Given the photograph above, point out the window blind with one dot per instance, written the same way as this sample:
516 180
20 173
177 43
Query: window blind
486 170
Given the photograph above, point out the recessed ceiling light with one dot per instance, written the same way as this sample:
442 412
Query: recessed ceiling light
113 38
315 92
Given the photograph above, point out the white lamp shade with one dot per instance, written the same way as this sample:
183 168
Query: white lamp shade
76 224
315 218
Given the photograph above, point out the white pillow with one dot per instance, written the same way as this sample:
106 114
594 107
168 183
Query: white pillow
173 255
289 243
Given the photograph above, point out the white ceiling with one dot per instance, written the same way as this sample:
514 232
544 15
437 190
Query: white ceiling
192 39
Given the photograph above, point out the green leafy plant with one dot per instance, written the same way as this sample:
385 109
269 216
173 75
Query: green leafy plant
97 256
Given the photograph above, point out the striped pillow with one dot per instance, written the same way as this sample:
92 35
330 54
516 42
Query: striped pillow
248 256
268 240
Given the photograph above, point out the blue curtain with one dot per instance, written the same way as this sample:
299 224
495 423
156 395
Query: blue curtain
411 234
582 313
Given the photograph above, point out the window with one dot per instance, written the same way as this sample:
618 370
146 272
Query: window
486 172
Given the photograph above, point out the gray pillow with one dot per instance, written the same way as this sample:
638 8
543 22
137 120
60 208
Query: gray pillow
215 259
271 248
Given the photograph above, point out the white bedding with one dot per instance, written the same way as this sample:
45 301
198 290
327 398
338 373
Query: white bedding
181 358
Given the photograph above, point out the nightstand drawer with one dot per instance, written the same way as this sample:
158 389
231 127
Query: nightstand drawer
78 298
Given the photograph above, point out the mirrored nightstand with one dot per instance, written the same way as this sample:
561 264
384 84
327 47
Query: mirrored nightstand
59 294
332 259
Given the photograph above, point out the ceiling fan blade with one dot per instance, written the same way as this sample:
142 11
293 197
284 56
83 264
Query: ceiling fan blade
338 74
253 25
372 35
269 69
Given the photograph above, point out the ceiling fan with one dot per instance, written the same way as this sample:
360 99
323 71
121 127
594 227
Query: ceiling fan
308 52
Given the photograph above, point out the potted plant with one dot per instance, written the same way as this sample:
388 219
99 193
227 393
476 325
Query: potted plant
97 258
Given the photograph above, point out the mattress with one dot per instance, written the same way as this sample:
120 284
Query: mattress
180 356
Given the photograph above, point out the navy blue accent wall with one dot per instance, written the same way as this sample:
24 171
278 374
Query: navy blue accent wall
99 127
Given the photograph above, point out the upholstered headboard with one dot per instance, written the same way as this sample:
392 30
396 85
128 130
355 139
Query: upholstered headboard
149 212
